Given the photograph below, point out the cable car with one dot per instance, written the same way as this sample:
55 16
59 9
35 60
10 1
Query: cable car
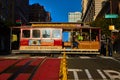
48 37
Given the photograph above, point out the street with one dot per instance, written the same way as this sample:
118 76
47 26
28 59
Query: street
29 68
93 68
85 67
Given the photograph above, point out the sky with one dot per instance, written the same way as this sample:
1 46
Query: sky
59 9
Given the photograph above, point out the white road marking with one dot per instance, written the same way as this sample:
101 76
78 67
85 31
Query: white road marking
106 57
114 75
75 73
13 57
115 60
38 57
102 75
62 57
88 74
74 70
84 57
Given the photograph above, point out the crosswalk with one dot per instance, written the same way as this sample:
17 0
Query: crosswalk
85 72
88 57
94 68
67 57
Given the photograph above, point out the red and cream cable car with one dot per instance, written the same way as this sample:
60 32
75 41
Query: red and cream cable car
58 37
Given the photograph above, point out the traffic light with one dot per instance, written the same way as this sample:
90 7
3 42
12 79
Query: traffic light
18 21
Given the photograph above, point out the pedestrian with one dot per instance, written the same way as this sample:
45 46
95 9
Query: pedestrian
79 37
110 47
75 42
103 48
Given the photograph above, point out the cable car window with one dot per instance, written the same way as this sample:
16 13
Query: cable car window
26 34
36 34
45 33
56 34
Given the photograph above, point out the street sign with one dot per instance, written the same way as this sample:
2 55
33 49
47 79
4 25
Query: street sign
111 16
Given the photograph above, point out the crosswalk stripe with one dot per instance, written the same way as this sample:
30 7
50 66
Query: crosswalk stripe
84 57
62 57
38 57
106 57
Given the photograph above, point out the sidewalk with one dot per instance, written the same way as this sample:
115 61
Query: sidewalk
116 55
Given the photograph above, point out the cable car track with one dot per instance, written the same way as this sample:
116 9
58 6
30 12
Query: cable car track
31 69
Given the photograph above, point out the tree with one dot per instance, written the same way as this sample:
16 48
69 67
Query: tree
104 23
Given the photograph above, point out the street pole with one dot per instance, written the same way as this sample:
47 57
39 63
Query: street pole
110 26
111 11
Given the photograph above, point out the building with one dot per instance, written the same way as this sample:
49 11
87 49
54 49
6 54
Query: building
22 12
11 10
84 7
7 10
37 13
91 9
74 17
96 9
109 8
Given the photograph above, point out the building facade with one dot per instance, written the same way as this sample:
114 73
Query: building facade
22 10
96 9
110 7
84 7
91 9
74 17
37 13
11 10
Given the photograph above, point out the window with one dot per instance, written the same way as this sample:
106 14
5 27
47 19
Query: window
66 36
36 34
56 34
26 34
46 33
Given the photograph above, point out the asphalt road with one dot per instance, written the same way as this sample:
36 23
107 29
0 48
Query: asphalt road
93 68
88 67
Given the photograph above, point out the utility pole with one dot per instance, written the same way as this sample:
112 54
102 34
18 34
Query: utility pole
111 27
111 11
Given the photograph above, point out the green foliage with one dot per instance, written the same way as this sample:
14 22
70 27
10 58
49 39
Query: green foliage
104 23
116 22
